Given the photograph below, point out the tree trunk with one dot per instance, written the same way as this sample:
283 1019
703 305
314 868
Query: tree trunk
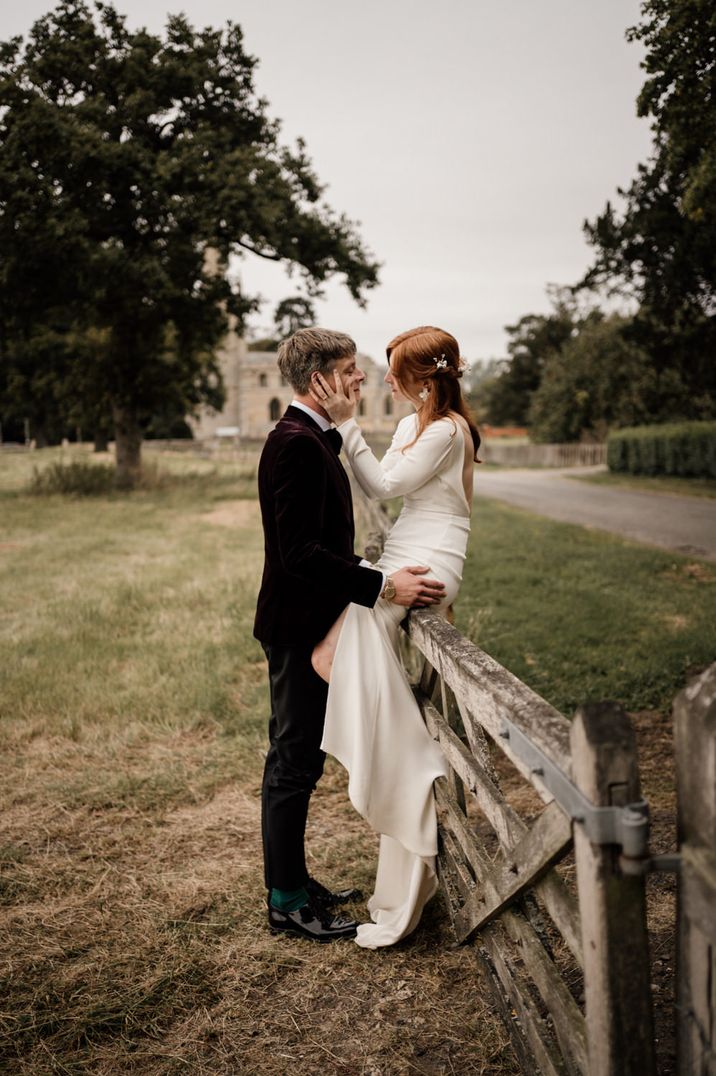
101 440
40 436
128 446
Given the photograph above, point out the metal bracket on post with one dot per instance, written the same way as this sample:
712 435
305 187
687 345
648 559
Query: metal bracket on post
627 826
667 863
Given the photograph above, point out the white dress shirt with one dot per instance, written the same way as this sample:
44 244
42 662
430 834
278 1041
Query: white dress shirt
324 423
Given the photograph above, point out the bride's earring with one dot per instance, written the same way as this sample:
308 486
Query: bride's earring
424 393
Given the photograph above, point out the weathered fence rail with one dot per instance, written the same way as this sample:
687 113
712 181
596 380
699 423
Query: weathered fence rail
543 854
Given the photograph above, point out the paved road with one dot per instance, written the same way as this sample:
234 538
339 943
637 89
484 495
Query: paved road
685 525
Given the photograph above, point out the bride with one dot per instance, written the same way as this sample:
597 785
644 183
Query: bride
373 725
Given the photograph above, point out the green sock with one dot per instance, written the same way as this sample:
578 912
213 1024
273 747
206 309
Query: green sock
288 900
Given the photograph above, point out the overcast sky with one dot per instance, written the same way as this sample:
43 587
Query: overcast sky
470 139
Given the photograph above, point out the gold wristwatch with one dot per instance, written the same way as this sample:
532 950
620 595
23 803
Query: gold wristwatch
388 591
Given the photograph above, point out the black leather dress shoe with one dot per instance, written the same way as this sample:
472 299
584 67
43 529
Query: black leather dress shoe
327 898
312 922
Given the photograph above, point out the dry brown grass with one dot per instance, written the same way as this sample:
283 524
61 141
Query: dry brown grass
132 918
133 939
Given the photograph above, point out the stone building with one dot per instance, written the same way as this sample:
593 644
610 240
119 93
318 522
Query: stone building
257 395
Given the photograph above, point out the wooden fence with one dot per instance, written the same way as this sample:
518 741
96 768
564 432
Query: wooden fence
543 855
528 455
491 451
695 741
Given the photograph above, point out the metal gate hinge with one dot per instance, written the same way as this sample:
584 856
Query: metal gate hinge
626 826
669 863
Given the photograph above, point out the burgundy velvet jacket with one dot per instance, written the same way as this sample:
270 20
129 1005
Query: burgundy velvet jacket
310 572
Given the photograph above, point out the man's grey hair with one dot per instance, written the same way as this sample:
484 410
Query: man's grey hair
309 350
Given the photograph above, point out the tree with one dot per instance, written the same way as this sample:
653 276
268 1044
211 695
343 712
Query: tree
534 338
293 314
661 248
480 376
132 167
598 379
264 343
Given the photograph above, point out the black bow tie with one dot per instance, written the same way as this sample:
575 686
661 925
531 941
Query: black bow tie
335 440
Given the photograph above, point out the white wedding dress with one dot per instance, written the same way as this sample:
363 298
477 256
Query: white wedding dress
373 724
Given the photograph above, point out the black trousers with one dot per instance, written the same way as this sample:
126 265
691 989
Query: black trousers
294 762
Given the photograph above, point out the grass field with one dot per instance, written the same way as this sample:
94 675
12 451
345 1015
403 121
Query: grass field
132 926
133 713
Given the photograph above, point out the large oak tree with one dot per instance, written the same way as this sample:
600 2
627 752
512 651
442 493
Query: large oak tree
132 166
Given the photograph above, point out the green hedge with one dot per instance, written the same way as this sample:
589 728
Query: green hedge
683 448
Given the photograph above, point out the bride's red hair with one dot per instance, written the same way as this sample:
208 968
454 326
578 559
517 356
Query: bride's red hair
431 355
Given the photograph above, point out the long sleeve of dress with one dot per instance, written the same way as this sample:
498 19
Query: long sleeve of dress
399 472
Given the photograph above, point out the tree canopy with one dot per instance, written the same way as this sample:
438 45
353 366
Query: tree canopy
599 378
292 314
660 248
532 340
132 167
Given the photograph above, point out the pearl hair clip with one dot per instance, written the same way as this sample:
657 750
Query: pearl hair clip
440 363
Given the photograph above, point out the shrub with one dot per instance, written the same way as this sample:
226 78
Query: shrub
84 479
79 477
684 448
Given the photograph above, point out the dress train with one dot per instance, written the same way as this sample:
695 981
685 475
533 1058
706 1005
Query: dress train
375 729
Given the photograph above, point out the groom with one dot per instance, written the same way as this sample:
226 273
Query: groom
310 575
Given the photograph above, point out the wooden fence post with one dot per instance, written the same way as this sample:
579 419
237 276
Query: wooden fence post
619 1016
695 734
